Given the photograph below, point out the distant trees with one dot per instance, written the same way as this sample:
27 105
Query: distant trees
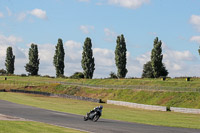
58 59
87 61
10 60
157 68
152 69
33 66
199 50
120 57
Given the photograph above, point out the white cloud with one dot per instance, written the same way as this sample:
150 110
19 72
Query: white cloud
73 55
1 15
39 13
195 39
73 50
11 40
109 32
21 16
9 11
104 57
133 4
195 21
110 35
72 44
86 28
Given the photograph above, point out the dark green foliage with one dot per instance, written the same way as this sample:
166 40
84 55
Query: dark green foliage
147 70
164 71
113 75
199 50
77 75
58 59
156 60
10 61
120 57
87 61
23 75
33 66
2 72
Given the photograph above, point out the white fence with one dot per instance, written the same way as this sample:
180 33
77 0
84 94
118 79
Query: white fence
136 105
185 110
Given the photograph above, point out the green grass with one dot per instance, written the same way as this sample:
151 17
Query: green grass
32 127
163 98
151 97
178 82
109 111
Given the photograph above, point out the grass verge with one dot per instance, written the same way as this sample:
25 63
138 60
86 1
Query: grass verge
109 111
32 127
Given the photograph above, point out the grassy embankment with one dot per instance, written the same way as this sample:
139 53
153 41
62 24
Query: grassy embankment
109 111
144 96
32 127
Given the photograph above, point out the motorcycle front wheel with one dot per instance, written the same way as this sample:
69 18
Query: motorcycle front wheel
96 117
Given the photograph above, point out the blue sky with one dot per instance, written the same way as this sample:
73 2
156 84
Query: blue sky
175 22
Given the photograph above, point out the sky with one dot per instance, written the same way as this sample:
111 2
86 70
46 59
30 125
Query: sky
175 22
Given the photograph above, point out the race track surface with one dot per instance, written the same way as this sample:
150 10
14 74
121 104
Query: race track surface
76 121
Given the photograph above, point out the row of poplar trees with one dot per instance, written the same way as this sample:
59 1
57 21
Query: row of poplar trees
87 61
152 69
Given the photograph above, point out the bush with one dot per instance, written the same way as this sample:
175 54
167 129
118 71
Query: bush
46 76
147 70
3 72
113 75
77 75
23 75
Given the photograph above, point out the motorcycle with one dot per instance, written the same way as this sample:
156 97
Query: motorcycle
94 116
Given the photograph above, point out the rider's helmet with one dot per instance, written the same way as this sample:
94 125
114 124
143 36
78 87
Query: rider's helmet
101 107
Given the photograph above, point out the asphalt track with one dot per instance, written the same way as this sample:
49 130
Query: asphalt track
76 121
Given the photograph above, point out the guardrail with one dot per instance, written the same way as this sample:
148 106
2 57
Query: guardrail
154 107
58 95
136 105
185 110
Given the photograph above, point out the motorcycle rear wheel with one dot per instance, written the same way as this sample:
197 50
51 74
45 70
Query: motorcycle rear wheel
85 118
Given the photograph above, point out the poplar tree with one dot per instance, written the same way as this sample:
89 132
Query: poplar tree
33 66
10 60
87 61
156 60
58 59
120 57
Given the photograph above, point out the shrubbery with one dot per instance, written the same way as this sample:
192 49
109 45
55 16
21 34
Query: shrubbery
113 75
77 75
3 72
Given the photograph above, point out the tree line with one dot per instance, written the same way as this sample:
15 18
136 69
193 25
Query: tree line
152 69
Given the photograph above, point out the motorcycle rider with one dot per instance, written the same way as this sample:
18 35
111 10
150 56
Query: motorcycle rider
98 108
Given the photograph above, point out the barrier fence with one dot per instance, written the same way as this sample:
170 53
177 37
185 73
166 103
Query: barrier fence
57 95
155 107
